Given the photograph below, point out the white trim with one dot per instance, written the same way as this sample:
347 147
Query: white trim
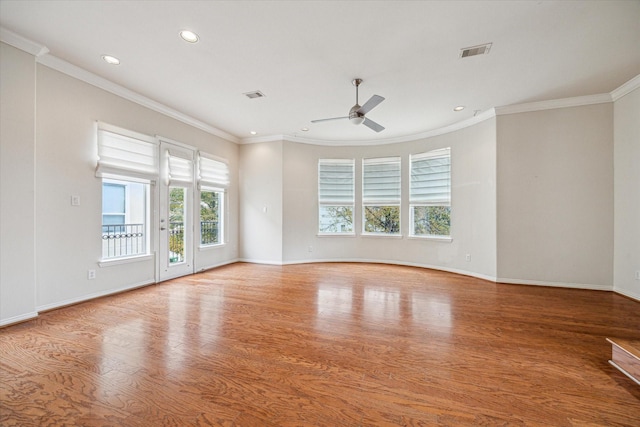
577 101
260 261
555 284
628 294
444 239
92 296
619 368
626 88
485 115
220 264
18 319
22 43
110 262
391 262
102 83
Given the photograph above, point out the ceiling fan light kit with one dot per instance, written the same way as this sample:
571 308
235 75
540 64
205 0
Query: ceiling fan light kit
357 113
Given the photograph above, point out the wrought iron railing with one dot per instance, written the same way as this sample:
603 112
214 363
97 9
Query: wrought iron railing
123 240
208 232
129 239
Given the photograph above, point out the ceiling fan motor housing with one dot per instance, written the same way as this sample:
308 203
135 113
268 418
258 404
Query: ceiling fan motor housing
355 117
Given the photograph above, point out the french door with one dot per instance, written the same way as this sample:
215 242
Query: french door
176 210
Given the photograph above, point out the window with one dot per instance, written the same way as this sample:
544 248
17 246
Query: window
113 203
213 178
430 194
127 165
335 196
124 218
381 182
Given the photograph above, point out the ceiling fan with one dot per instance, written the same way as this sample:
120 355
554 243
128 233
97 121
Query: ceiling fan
357 113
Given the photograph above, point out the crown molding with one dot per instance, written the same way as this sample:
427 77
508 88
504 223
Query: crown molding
626 88
22 43
485 115
102 83
577 101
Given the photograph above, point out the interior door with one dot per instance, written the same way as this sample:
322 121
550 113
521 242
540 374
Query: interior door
176 216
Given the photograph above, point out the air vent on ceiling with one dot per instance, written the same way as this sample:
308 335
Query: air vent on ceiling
254 94
482 49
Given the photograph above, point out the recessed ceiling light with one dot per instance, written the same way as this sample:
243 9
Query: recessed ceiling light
189 36
110 59
253 132
305 129
459 108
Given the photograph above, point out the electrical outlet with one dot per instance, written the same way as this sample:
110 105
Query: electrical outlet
91 274
468 257
310 248
75 200
638 275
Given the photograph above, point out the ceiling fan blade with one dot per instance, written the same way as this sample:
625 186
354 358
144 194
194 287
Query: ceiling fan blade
326 120
373 125
370 104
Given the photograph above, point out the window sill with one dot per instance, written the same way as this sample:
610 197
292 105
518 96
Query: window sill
336 235
383 235
209 247
125 260
446 239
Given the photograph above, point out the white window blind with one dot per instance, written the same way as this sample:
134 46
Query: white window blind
212 173
124 155
336 181
180 168
431 177
381 180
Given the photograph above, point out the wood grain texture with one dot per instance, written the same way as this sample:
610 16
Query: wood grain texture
323 345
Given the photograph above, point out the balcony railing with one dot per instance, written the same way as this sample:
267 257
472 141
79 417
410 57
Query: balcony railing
208 232
123 240
129 239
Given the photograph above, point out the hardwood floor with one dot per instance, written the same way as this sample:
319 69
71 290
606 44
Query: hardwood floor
323 345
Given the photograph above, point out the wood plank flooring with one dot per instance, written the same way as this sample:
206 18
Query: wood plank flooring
323 345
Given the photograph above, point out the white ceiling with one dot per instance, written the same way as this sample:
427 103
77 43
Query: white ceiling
303 55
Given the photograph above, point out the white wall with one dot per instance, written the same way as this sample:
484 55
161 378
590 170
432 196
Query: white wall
68 242
555 196
626 112
261 202
473 226
17 197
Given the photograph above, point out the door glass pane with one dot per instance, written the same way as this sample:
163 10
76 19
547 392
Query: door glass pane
177 215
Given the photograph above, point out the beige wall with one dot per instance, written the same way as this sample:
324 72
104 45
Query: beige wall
473 205
66 155
261 202
627 194
532 200
555 196
17 197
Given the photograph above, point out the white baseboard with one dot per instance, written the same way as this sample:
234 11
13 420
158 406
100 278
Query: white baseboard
588 286
220 264
17 319
94 295
628 294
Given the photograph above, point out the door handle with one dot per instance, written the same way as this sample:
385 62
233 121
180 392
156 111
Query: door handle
163 228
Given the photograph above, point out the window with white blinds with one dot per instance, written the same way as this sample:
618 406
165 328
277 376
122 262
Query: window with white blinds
127 154
212 173
431 177
430 193
180 169
213 179
127 163
381 180
381 193
336 195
